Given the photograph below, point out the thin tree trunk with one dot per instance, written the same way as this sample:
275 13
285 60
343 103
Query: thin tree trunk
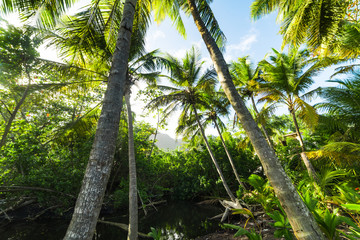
309 167
229 156
300 218
155 135
262 124
88 204
133 202
231 195
13 114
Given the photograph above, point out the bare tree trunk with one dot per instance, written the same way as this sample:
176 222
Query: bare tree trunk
133 201
88 204
300 218
231 195
308 165
13 114
262 124
229 156
155 135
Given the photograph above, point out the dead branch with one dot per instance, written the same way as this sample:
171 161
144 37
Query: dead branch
123 226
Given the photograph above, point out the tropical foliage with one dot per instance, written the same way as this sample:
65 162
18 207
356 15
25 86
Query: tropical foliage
56 144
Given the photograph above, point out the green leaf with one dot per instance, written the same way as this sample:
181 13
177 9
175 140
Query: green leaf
353 207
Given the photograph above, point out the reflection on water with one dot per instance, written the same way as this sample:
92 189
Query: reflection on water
176 220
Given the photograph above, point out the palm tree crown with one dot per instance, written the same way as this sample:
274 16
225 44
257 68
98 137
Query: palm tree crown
190 85
288 76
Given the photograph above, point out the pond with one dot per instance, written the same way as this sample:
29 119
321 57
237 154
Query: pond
175 220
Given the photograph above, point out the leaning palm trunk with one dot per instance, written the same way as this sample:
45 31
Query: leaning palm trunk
13 114
308 165
88 204
231 195
133 202
229 156
262 123
300 218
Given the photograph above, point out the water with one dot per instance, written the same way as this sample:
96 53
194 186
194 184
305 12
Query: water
175 220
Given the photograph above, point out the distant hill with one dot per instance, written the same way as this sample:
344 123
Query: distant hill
166 142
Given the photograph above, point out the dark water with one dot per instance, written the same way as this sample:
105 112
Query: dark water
176 220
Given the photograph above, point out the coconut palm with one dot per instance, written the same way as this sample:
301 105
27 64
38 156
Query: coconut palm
343 101
216 106
299 216
97 173
189 94
342 104
326 26
289 76
247 79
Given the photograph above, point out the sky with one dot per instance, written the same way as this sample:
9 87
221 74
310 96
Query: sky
245 37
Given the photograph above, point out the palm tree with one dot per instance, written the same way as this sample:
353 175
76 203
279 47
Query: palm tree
326 26
288 76
343 101
97 173
141 67
133 201
299 216
247 79
76 35
342 104
189 94
216 106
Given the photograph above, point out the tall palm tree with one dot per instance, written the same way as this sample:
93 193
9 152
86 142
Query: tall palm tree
76 35
247 79
326 26
289 76
133 201
299 216
88 204
216 106
189 94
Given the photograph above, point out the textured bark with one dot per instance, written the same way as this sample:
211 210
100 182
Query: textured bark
262 124
88 204
13 114
133 202
300 218
231 195
229 156
309 167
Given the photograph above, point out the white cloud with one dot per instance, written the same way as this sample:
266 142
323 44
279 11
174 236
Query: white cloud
245 43
158 35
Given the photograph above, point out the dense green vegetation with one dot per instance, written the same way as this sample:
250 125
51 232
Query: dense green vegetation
53 131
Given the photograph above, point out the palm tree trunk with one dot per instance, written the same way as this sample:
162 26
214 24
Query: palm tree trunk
155 135
229 156
89 202
262 124
231 195
13 114
308 165
300 218
133 202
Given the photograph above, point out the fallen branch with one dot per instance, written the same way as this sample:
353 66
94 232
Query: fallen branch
154 203
19 204
123 226
24 188
6 216
42 212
